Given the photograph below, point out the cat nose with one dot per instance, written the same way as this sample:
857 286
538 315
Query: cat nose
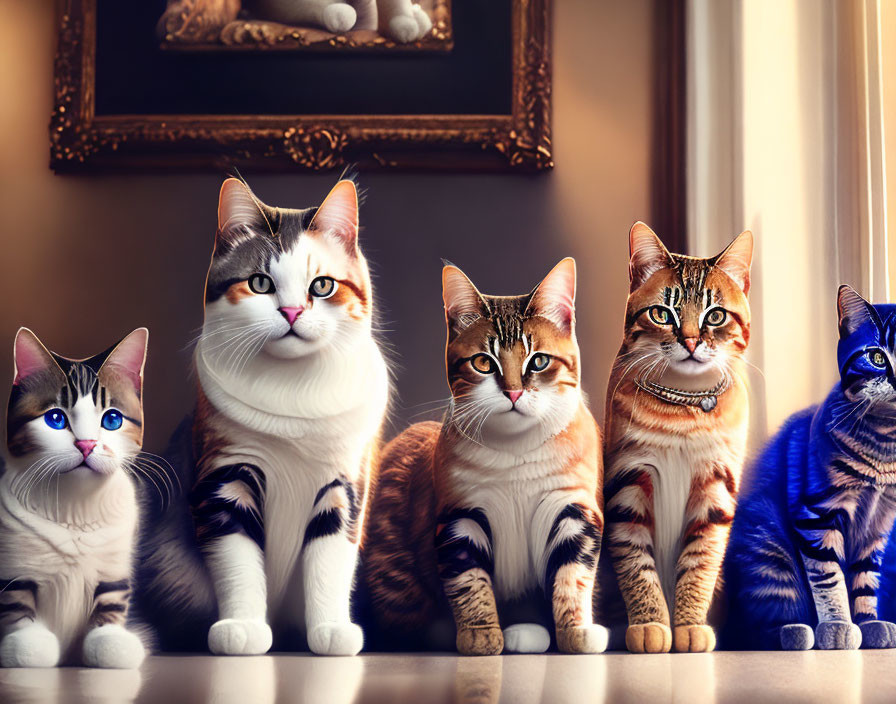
691 343
291 313
85 446
513 395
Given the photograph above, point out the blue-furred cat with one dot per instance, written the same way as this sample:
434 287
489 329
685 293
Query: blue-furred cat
804 560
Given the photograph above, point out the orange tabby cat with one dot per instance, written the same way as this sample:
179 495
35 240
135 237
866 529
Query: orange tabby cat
503 498
676 432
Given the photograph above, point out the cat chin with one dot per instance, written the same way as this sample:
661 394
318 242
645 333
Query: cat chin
292 347
690 367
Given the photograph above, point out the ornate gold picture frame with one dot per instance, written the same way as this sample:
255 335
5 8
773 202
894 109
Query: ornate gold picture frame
83 137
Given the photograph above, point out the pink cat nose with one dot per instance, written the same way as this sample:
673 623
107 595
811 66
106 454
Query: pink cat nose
691 343
513 395
85 446
291 313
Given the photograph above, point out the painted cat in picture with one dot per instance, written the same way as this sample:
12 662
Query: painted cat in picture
402 21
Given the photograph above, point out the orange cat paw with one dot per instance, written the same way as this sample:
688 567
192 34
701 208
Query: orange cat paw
694 639
648 638
480 641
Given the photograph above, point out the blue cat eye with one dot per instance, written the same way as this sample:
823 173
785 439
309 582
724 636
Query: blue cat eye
877 358
56 419
112 419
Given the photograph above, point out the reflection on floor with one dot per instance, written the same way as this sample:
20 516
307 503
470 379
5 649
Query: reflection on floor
842 677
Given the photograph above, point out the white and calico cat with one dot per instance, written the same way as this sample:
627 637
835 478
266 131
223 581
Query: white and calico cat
68 507
293 390
402 20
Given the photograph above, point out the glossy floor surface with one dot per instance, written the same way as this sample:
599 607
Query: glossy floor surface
842 677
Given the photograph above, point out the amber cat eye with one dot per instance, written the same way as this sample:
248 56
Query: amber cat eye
323 287
483 364
877 358
716 316
660 315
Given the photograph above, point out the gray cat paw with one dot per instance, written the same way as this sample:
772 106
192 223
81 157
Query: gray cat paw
878 634
797 636
838 635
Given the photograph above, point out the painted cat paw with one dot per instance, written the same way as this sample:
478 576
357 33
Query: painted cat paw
240 636
526 638
404 28
590 638
31 646
333 638
648 638
113 646
424 23
480 641
878 634
339 17
694 639
838 635
797 636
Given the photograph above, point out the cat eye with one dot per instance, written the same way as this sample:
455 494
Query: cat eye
323 287
877 358
660 315
112 419
539 363
261 283
56 419
483 364
716 316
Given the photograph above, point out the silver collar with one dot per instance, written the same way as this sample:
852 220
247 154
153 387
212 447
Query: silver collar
705 400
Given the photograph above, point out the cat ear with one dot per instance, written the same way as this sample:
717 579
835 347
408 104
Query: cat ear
31 356
338 215
853 311
555 297
239 212
464 304
735 260
128 357
647 255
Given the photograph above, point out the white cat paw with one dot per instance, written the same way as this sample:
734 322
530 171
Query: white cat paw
339 17
333 638
113 646
240 636
404 29
424 23
591 638
31 646
526 638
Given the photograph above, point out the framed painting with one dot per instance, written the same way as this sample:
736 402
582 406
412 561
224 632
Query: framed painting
472 93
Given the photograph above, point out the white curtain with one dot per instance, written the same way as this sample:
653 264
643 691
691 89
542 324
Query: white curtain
785 138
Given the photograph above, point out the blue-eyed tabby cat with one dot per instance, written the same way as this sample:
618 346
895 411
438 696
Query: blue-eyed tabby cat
68 507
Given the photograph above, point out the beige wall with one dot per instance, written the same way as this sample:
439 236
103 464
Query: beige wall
87 258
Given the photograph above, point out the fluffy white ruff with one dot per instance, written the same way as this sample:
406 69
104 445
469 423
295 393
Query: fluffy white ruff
113 646
240 636
335 639
526 638
31 646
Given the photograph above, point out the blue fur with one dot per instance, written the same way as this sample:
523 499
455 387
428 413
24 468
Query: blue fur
791 494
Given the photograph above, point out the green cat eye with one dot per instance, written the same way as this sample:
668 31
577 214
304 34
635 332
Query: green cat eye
261 283
877 358
716 316
660 315
539 362
323 287
483 364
